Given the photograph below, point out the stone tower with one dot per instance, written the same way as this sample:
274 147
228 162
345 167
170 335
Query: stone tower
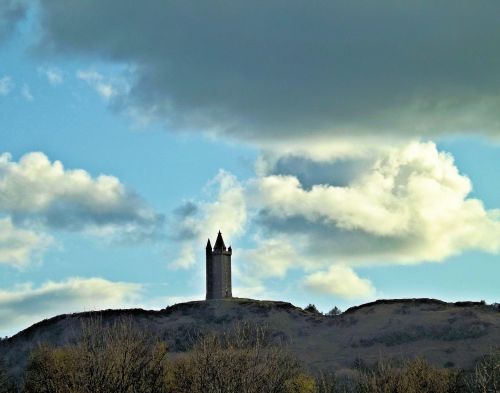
218 270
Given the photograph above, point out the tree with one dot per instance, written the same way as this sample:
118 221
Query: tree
486 375
121 358
312 308
334 311
116 358
410 376
242 360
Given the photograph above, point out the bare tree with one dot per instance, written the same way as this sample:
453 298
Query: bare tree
116 358
242 360
412 376
119 357
486 375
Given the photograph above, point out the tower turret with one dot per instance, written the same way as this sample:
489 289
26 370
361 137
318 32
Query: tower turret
219 243
209 268
218 266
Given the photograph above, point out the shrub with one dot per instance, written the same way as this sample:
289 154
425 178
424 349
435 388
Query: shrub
301 383
415 376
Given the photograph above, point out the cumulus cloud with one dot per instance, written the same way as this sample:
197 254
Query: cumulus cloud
271 257
404 204
11 12
340 281
19 246
293 69
36 190
411 205
196 221
27 304
6 85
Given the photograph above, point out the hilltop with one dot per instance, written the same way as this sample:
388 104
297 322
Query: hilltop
446 334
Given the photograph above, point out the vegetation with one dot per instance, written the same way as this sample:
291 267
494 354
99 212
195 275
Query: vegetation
122 358
312 308
116 358
6 383
486 375
334 311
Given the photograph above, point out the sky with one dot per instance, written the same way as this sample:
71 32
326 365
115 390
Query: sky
347 152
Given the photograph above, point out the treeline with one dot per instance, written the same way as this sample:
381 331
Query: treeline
121 358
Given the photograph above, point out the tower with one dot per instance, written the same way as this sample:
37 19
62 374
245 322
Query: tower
218 270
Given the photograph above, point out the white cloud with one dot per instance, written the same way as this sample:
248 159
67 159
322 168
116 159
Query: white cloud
6 85
406 204
19 246
340 281
274 257
54 75
26 93
107 88
26 304
271 258
324 148
36 190
171 300
412 205
187 255
226 212
250 288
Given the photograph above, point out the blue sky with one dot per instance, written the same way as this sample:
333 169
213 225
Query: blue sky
324 201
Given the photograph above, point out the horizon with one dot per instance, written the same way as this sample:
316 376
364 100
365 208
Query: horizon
345 153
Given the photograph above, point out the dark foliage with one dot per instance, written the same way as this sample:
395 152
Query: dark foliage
312 308
334 311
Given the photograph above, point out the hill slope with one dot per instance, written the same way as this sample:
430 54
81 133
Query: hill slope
447 334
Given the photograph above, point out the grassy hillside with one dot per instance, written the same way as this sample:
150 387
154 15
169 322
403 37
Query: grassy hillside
446 334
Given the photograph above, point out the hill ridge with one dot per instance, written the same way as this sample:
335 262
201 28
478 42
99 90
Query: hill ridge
444 333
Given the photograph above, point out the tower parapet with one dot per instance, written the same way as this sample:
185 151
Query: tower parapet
218 265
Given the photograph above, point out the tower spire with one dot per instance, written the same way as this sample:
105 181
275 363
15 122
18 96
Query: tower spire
219 243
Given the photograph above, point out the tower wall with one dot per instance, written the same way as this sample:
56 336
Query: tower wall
221 264
218 268
209 277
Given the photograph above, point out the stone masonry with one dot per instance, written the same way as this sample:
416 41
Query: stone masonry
218 270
